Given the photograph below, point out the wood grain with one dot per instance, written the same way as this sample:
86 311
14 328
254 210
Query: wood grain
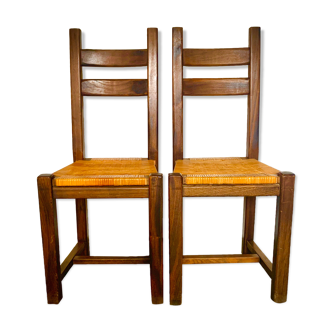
248 228
282 238
78 130
217 259
156 237
231 190
252 130
101 192
263 260
114 58
175 204
49 229
177 80
76 94
111 260
254 96
82 224
68 262
115 88
215 56
215 86
153 95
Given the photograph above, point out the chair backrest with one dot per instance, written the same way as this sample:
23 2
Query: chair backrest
218 86
114 87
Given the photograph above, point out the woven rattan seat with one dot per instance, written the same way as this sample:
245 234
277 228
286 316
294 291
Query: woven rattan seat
105 172
225 171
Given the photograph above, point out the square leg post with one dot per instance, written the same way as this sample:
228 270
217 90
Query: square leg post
175 186
82 224
156 237
248 222
282 238
49 228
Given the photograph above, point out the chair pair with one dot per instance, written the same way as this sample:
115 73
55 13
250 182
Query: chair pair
139 178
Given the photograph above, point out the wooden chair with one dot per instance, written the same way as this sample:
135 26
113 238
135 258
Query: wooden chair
226 176
105 178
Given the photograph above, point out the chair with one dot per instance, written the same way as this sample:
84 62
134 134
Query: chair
218 177
105 178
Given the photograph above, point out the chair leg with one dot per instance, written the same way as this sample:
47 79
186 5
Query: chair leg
82 224
282 238
156 237
247 223
49 228
175 237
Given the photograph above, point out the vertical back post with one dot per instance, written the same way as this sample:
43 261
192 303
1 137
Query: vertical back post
76 95
177 95
153 95
78 130
252 130
253 101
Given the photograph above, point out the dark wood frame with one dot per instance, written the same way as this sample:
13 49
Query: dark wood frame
278 270
48 193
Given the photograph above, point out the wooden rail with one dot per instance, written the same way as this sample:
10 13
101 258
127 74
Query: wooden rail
230 190
112 260
216 56
216 259
101 192
114 58
68 262
263 260
115 88
215 86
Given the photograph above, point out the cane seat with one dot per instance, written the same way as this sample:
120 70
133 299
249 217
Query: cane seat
225 171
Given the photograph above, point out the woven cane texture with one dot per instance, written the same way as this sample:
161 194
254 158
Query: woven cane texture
105 172
225 171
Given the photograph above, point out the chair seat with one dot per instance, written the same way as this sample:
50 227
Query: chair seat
225 171
105 172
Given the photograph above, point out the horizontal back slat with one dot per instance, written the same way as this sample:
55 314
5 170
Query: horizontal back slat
134 87
216 57
215 86
114 58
